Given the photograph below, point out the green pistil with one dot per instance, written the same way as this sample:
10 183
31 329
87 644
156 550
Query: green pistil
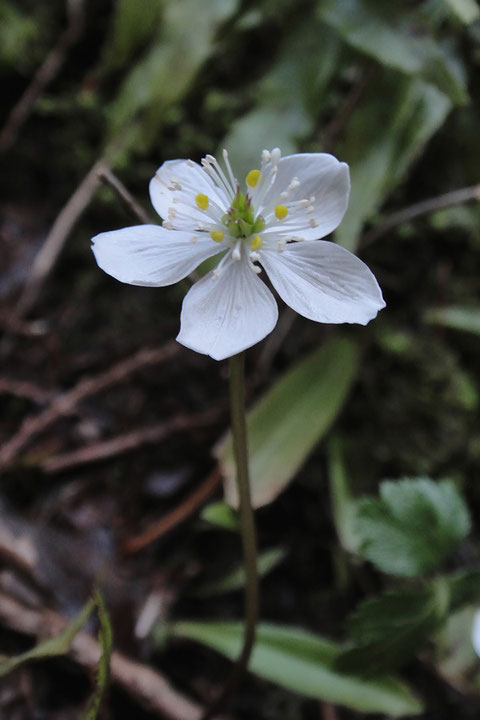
240 220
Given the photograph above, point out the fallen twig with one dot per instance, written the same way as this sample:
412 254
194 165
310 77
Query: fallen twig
43 77
147 686
456 197
127 442
166 523
110 179
66 403
55 240
25 389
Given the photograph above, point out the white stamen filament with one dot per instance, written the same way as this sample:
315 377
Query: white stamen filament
229 169
210 164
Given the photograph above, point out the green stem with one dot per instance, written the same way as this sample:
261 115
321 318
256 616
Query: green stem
247 526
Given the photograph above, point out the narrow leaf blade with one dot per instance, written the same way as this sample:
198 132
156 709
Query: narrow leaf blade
288 421
304 663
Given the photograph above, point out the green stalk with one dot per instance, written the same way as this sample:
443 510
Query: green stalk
248 531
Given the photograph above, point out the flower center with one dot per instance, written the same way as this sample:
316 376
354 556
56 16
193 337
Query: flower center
240 220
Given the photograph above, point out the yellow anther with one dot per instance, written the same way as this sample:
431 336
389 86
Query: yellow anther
202 201
217 235
281 212
256 243
252 178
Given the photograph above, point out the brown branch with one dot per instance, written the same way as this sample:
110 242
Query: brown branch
127 442
56 238
176 516
110 179
43 77
450 199
66 403
25 389
147 686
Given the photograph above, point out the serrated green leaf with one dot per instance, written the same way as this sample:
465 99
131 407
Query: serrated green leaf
220 514
413 526
304 663
289 420
388 630
467 11
105 640
235 580
358 22
455 317
58 645
384 136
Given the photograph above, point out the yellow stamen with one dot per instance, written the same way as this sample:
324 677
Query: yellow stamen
256 243
202 201
217 235
281 212
252 178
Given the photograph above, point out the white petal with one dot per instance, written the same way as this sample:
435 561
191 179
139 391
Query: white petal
321 177
173 189
324 282
150 255
223 316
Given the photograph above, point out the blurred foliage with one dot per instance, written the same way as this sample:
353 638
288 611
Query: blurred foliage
287 422
392 89
412 527
305 663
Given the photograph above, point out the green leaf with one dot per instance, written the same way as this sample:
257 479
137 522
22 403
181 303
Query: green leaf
385 34
304 663
220 514
58 645
304 68
455 317
235 580
133 23
467 11
396 119
344 507
167 69
388 630
105 639
413 526
287 422
18 32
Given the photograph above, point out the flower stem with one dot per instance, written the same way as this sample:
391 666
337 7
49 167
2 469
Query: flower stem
248 531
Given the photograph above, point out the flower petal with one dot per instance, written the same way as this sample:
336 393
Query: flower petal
173 190
221 316
324 282
150 255
322 178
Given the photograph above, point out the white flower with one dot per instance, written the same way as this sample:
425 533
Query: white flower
288 204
